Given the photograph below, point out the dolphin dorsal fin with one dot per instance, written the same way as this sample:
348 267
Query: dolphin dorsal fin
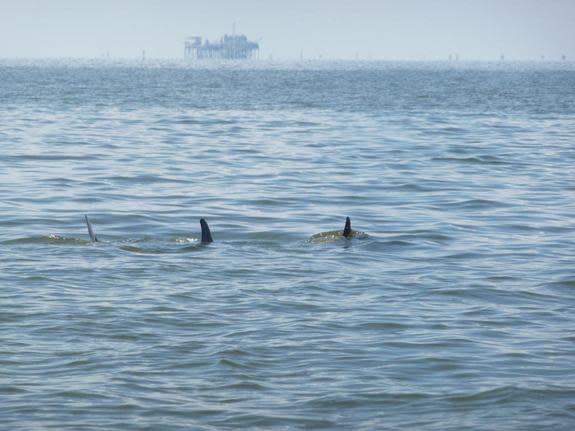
206 234
93 236
347 228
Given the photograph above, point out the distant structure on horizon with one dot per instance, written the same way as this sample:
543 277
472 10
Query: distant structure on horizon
230 47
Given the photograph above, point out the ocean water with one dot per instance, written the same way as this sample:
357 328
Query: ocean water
457 312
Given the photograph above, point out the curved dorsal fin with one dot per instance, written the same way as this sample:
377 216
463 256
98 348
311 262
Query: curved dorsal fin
347 228
206 234
93 236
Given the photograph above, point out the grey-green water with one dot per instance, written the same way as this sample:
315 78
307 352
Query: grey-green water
455 313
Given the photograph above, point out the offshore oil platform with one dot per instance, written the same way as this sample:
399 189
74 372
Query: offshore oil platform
230 47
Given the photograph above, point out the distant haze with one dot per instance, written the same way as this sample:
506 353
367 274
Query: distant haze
328 29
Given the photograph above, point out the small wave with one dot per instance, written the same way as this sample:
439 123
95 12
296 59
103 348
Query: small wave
200 121
143 250
384 326
46 239
464 256
494 394
235 364
568 283
79 395
417 237
242 386
451 291
144 179
477 204
54 157
396 243
413 187
509 392
362 400
148 246
12 390
479 160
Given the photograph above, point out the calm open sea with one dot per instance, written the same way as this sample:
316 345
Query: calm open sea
458 311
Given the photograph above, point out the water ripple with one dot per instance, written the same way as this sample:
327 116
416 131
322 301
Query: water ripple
454 313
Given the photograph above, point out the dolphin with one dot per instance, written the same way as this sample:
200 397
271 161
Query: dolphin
206 234
347 233
93 237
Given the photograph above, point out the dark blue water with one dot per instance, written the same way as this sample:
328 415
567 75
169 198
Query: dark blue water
455 313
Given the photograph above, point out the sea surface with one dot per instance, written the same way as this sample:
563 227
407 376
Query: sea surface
457 312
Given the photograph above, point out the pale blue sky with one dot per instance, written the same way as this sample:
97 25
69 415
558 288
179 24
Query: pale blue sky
385 29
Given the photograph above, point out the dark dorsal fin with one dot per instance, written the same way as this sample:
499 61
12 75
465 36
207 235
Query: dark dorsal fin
206 234
93 237
347 228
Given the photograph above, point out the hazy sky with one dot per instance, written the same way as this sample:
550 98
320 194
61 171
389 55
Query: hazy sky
378 29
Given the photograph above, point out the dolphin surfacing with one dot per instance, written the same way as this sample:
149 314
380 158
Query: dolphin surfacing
347 233
93 237
206 234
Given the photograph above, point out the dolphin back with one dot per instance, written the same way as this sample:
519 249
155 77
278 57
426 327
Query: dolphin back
336 235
